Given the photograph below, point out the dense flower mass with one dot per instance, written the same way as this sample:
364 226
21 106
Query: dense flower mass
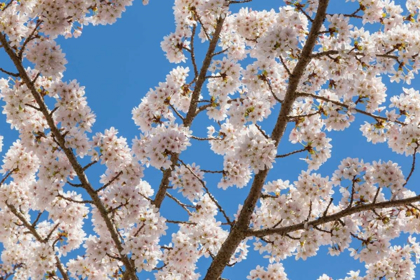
277 90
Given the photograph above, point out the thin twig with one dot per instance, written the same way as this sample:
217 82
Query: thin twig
89 165
413 165
208 192
183 205
28 39
180 222
376 195
46 239
75 201
262 131
353 15
32 106
7 176
110 182
53 111
353 191
292 153
176 112
192 53
213 171
75 185
347 106
9 73
239 1
293 118
197 17
205 139
278 223
271 90
36 219
285 66
219 52
328 207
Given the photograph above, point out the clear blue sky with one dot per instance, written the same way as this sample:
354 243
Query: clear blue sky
119 63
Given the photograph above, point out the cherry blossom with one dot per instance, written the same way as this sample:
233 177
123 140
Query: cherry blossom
262 82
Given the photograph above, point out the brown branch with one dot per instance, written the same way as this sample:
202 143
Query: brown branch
75 185
7 176
61 268
300 8
180 222
292 153
140 228
183 205
262 131
53 110
205 139
164 183
31 228
291 237
335 217
46 239
264 195
192 53
73 200
325 53
176 112
353 15
239 1
219 52
271 88
89 165
328 207
213 171
413 165
28 39
239 231
352 192
376 195
347 106
110 182
293 118
7 6
208 192
32 106
9 73
70 156
278 223
197 17
36 219
285 66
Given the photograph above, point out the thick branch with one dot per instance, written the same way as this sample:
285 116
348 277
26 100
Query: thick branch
238 232
334 217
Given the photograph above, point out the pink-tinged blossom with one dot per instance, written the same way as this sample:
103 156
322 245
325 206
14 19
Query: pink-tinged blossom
275 271
47 57
154 108
187 180
155 147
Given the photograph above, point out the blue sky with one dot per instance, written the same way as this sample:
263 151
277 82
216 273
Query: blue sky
119 63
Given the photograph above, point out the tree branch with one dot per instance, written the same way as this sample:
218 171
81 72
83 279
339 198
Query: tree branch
70 156
292 153
238 232
334 217
161 193
347 106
